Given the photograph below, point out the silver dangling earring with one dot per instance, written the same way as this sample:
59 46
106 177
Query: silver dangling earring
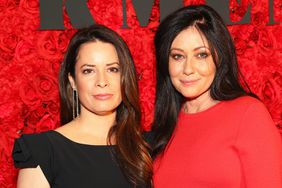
75 104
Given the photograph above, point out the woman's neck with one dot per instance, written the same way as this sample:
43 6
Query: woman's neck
199 104
90 128
90 122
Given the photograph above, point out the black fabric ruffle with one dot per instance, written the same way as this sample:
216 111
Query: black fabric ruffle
21 155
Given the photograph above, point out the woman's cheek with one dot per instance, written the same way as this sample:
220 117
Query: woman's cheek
206 68
175 69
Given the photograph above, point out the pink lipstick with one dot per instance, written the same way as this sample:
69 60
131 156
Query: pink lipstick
188 82
103 96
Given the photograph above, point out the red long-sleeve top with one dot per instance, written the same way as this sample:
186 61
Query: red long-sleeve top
233 144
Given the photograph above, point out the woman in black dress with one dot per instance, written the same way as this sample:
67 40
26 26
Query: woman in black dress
100 143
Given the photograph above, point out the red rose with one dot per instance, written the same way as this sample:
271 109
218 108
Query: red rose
240 45
267 42
254 35
108 12
277 11
8 4
56 67
29 95
30 6
63 39
53 107
258 6
47 122
30 122
24 51
40 111
8 42
270 92
260 19
47 44
7 110
11 21
46 85
277 33
7 90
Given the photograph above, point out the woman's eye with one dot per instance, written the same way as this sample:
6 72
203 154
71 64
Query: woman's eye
87 71
177 57
114 69
202 55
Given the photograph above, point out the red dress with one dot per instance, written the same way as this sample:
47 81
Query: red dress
233 144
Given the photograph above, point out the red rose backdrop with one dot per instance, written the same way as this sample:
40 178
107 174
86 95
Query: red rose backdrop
30 61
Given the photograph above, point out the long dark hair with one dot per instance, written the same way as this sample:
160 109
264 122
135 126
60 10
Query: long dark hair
226 84
131 150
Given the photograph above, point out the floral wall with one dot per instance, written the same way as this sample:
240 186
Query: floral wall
30 60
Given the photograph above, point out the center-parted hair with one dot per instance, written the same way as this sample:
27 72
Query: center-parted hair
225 86
131 150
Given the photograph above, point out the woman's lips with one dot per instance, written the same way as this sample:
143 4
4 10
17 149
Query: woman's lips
188 82
103 96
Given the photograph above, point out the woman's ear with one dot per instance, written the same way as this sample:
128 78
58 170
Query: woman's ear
72 82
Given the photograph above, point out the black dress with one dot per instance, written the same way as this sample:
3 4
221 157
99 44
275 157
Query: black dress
67 164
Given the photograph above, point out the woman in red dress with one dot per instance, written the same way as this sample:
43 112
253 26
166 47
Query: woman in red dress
209 131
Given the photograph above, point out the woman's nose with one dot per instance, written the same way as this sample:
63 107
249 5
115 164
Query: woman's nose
101 80
188 66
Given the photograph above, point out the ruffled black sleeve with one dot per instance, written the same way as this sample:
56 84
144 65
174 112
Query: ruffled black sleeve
31 150
22 156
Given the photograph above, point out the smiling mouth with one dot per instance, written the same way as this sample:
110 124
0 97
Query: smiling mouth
188 82
103 96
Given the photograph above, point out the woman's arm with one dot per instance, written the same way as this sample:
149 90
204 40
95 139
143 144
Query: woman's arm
260 149
32 178
31 154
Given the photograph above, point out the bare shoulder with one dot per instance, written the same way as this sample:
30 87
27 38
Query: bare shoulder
32 178
66 129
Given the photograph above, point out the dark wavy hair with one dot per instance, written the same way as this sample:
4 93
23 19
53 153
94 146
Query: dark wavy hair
131 150
226 84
